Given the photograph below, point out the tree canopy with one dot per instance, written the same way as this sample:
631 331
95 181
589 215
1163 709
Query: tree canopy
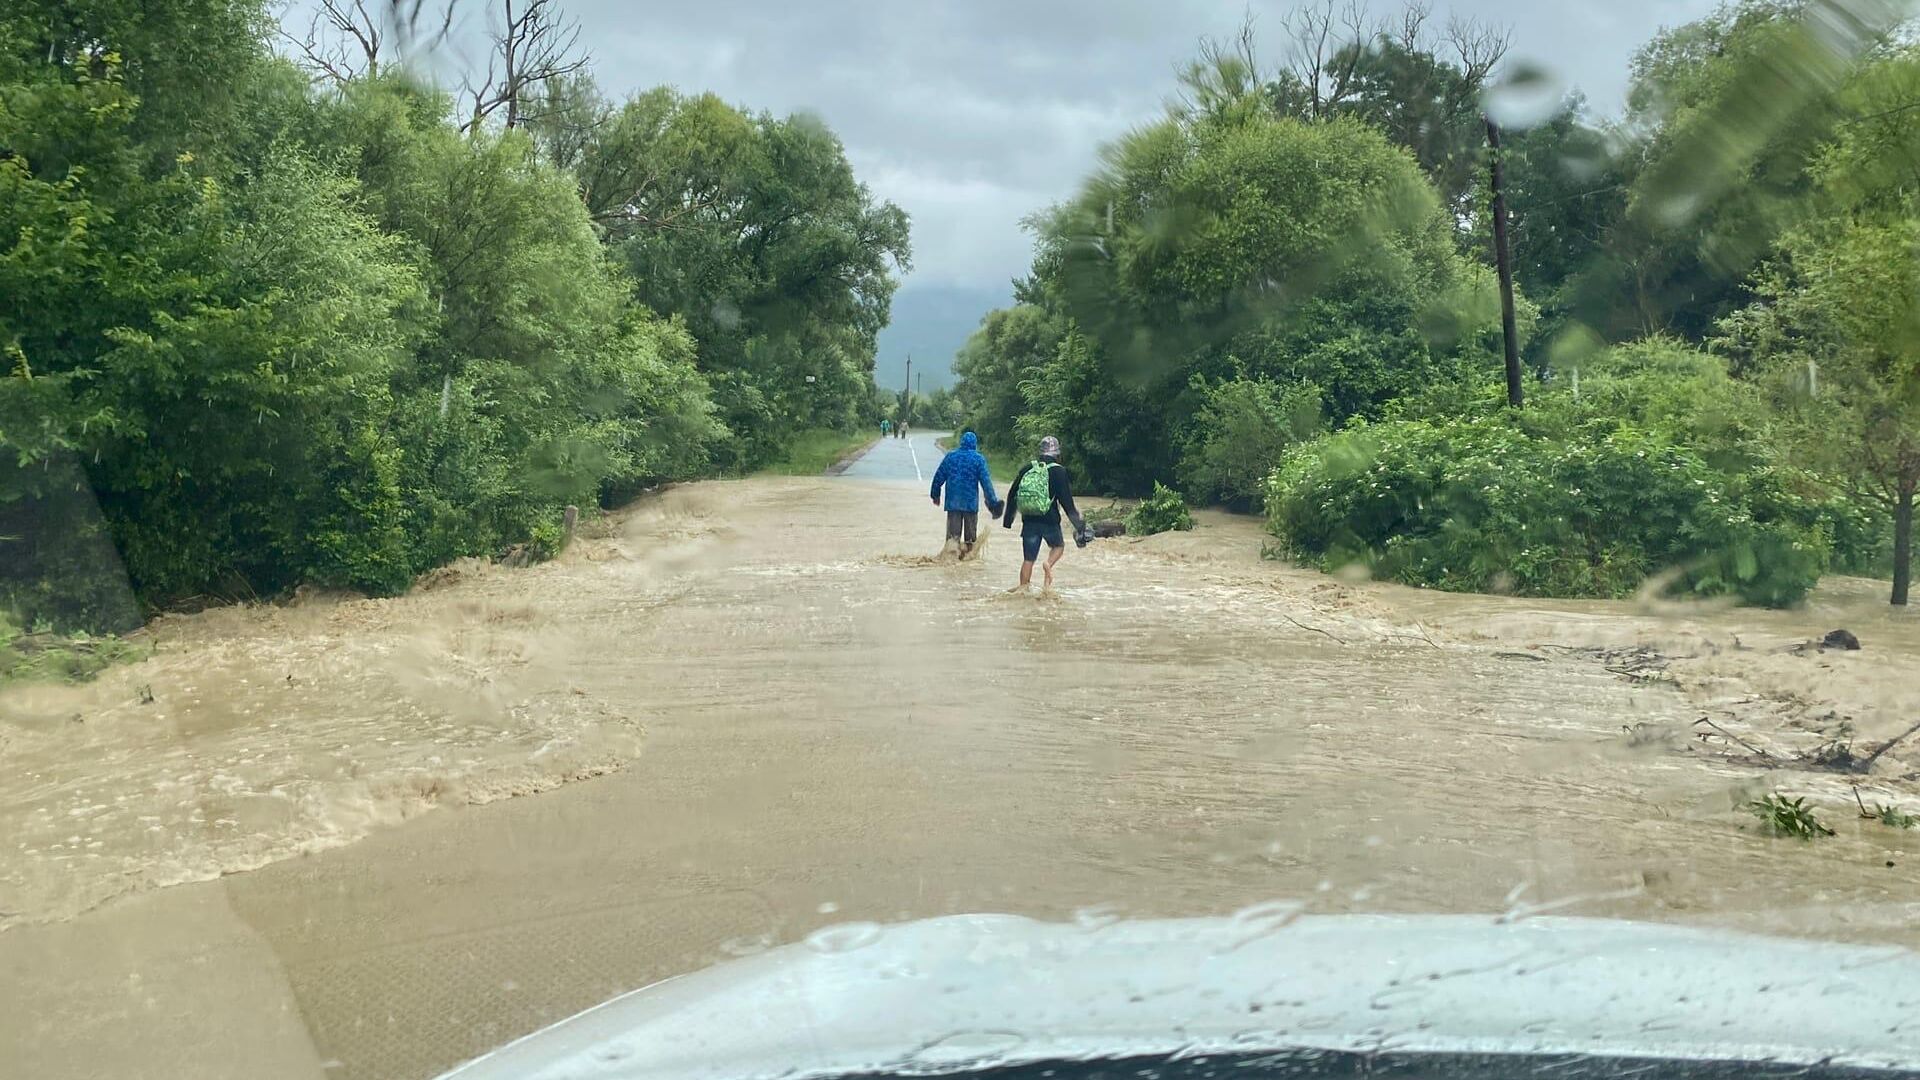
289 329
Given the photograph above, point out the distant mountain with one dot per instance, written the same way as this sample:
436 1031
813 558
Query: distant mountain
930 323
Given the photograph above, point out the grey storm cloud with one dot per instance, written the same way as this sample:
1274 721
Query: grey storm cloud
971 115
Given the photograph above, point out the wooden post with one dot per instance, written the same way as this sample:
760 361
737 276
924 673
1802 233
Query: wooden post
567 521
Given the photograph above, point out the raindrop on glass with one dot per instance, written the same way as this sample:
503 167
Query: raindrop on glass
844 937
1096 917
1527 96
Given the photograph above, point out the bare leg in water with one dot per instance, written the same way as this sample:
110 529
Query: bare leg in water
1053 556
1026 576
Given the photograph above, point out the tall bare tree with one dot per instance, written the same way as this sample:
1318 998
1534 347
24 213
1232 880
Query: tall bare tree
347 39
1479 46
1329 37
533 44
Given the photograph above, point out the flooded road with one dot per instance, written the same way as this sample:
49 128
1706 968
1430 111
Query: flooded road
784 712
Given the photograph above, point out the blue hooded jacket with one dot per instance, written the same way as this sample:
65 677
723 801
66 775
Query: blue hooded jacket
963 472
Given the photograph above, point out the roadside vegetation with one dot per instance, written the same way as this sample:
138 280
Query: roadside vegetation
44 656
811 453
1281 297
278 313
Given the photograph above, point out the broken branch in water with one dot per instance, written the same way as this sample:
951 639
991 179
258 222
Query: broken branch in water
1730 736
1304 626
1867 762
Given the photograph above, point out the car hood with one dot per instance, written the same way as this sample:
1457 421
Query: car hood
977 990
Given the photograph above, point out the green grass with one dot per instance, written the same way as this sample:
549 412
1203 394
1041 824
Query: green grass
812 451
50 657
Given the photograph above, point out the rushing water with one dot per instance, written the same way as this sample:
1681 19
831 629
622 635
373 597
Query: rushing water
801 716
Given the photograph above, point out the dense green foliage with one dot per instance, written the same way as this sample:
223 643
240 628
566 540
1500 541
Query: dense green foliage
290 332
1210 252
1279 294
1663 463
753 230
1240 432
1009 348
938 411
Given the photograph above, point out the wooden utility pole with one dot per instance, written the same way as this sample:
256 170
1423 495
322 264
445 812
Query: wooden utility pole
906 392
1503 265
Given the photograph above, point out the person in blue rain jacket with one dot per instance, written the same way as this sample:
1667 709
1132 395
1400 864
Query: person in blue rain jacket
964 474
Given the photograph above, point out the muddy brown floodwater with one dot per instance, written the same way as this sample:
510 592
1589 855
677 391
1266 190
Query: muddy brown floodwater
289 843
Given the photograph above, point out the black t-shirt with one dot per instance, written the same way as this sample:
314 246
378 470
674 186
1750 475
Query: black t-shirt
1062 498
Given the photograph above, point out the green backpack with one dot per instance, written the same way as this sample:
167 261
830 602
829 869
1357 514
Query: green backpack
1035 494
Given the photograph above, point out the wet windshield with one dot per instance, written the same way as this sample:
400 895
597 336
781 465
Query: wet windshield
1333 528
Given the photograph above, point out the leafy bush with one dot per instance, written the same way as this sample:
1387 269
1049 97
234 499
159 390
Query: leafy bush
1239 434
1486 504
1163 511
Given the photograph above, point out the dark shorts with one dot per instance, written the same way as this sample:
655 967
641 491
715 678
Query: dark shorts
962 525
1034 531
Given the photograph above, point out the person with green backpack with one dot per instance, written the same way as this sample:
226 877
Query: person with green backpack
1038 493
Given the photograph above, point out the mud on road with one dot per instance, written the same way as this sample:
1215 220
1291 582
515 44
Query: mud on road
746 710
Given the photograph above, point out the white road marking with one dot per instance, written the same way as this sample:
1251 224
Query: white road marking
916 459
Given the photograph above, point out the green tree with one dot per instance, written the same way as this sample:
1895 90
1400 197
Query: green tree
1834 328
1276 249
753 230
1009 348
1837 328
1725 116
295 336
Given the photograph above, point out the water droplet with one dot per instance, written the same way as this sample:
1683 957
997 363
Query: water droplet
1258 920
1096 917
1678 207
1529 95
967 1048
844 937
747 946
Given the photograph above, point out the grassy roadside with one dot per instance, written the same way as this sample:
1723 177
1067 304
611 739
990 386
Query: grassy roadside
812 452
49 657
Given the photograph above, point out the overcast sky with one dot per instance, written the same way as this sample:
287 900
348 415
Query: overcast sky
971 114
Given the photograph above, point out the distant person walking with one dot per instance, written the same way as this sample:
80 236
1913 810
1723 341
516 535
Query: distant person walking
886 428
1039 492
966 476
